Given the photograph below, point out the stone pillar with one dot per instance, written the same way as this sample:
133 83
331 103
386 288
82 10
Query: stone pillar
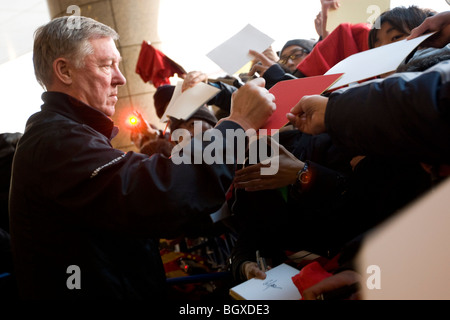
135 21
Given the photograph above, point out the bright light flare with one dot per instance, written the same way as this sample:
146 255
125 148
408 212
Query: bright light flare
133 121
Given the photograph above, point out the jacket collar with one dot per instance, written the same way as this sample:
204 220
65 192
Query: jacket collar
78 111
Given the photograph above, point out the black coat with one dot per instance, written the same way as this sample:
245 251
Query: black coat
407 115
75 200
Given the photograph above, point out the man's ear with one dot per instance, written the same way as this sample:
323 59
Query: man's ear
62 71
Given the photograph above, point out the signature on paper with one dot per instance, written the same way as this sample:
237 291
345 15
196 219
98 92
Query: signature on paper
271 284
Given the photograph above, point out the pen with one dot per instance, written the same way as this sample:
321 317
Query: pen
261 261
340 293
164 132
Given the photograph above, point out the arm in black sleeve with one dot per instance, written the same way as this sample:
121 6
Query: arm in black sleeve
323 182
274 74
223 98
398 116
104 188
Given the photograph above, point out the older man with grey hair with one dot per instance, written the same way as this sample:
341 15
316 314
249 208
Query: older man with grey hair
85 217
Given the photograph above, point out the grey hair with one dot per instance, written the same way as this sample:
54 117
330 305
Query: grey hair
62 38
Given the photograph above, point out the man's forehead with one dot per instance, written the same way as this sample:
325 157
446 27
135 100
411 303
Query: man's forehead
109 58
105 49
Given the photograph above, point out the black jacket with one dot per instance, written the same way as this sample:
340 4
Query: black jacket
75 200
406 114
275 73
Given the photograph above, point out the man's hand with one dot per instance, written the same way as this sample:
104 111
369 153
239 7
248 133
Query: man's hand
308 115
251 270
263 63
252 105
271 54
439 23
251 178
318 24
192 78
329 4
326 5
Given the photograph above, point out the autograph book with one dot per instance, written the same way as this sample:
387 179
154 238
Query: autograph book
278 285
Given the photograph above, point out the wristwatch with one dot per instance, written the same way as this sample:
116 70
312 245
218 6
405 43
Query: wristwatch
303 178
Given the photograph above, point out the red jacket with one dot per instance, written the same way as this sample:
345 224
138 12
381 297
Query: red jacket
345 40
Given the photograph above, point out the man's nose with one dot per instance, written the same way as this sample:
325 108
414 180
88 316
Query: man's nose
118 78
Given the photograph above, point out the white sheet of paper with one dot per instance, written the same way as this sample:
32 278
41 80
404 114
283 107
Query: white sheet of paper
184 104
356 11
233 54
374 62
411 251
278 285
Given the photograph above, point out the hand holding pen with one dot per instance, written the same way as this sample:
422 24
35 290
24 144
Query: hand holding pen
257 269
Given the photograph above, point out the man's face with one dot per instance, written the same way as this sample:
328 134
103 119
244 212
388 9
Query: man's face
96 83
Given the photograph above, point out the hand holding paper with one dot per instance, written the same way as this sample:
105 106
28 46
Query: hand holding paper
288 93
308 115
232 55
439 23
263 64
184 104
192 78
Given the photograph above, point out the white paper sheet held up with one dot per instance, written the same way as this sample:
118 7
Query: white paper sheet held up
278 285
374 62
184 104
233 54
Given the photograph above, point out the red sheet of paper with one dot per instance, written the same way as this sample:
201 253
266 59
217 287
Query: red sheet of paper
287 93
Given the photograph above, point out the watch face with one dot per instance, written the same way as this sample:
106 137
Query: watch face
305 176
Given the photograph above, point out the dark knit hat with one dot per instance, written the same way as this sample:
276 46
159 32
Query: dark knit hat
304 43
203 113
162 97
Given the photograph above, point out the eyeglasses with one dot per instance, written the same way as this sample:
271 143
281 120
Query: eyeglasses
298 54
